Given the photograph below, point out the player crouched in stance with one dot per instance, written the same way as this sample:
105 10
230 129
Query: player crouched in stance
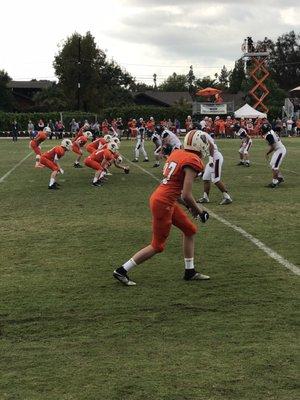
36 142
213 171
279 151
156 139
245 145
180 171
77 144
100 161
50 160
98 143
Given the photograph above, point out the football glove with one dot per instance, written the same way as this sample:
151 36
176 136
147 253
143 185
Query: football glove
126 170
203 216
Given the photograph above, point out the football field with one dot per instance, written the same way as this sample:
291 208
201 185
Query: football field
69 331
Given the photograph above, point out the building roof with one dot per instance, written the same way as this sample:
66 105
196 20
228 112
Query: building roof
33 84
166 98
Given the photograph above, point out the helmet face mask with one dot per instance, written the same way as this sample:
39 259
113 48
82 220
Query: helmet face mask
116 140
265 128
113 147
88 134
67 144
107 138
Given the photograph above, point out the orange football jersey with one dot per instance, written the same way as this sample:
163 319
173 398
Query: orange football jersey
100 155
170 188
58 151
40 137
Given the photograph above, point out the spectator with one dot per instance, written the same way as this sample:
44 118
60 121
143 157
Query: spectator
177 127
15 131
30 129
289 127
40 125
59 129
278 126
119 127
188 123
74 127
52 127
95 129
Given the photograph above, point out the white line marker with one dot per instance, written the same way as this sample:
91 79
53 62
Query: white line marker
271 253
13 168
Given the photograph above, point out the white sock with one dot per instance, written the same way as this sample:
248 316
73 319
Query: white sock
129 264
226 195
275 181
52 181
95 179
205 195
189 263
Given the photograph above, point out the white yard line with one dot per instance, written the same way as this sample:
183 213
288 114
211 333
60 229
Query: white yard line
271 253
14 167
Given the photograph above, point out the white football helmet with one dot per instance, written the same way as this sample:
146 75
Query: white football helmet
119 160
116 140
88 134
47 129
107 138
113 147
196 141
67 144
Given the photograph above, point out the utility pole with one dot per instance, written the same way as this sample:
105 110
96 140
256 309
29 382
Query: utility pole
79 73
154 80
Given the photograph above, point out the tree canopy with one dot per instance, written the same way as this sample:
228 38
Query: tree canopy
6 98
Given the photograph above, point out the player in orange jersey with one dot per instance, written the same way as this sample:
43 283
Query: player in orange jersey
98 143
180 171
84 128
50 160
100 161
77 144
35 144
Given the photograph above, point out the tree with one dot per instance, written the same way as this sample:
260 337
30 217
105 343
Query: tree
86 78
205 82
50 99
284 58
6 97
237 76
223 78
175 83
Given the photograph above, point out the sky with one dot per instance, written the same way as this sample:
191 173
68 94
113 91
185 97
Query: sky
142 36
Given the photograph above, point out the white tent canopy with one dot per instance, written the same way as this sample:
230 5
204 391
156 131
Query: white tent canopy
248 112
296 89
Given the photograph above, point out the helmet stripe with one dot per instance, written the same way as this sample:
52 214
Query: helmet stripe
190 138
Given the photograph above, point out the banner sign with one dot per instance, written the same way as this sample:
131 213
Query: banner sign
213 108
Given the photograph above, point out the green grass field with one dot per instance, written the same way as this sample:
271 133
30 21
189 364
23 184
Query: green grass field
70 331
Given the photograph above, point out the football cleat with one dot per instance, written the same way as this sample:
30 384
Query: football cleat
272 185
146 160
53 186
96 184
240 163
280 179
123 278
76 165
247 165
203 200
135 160
225 201
195 277
155 165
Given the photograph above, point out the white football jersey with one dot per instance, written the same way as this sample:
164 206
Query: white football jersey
170 138
210 140
156 139
273 139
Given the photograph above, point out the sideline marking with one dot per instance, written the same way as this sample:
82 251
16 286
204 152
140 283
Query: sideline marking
13 168
271 253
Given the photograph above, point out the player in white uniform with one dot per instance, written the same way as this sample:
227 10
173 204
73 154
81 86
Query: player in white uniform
279 151
212 172
245 145
170 142
140 142
156 139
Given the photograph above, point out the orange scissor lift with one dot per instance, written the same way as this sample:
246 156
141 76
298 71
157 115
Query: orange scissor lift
259 73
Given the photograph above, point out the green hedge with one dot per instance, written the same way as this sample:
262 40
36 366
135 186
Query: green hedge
159 113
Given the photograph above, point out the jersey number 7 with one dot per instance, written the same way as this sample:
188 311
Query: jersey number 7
169 169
